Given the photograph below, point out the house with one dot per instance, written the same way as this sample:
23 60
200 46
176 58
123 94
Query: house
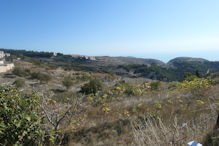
4 66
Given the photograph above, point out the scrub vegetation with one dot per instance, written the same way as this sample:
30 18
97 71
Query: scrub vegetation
48 103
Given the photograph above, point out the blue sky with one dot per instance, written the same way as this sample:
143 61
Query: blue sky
161 29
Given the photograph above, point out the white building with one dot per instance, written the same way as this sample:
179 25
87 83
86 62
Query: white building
7 54
2 54
4 67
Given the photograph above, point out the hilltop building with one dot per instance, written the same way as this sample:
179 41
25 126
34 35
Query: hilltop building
4 66
54 54
2 54
83 57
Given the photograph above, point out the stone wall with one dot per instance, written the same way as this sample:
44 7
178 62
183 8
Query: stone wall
6 67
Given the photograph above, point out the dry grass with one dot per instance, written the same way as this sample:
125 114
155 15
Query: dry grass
150 126
155 131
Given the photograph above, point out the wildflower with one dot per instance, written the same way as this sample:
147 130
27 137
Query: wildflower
181 101
158 105
106 110
118 113
90 99
139 105
126 113
72 127
105 96
118 88
170 101
147 109
110 92
200 102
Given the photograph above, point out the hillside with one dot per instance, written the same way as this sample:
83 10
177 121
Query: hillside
115 61
100 109
189 59
133 67
57 99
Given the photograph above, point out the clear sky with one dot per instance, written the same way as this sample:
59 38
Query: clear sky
161 29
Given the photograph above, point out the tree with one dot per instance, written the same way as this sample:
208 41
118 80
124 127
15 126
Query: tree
92 87
197 73
59 117
155 85
189 76
20 123
67 82
19 72
42 77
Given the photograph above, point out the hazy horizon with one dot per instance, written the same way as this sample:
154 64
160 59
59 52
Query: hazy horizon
146 29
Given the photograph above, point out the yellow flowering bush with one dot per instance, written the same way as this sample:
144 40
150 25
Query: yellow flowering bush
181 101
106 108
197 83
129 89
158 105
170 101
200 102
126 113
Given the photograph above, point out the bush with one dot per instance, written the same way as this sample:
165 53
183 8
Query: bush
129 90
19 83
20 72
189 76
65 97
216 81
196 84
92 87
211 139
155 85
67 82
43 77
173 85
19 122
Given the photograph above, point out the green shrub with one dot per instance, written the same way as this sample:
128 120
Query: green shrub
172 85
189 76
155 85
19 83
92 87
196 85
19 122
129 90
83 77
67 82
42 77
20 72
64 97
216 81
211 138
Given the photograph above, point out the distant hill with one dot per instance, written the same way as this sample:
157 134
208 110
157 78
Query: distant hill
174 61
112 61
124 66
188 59
188 64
